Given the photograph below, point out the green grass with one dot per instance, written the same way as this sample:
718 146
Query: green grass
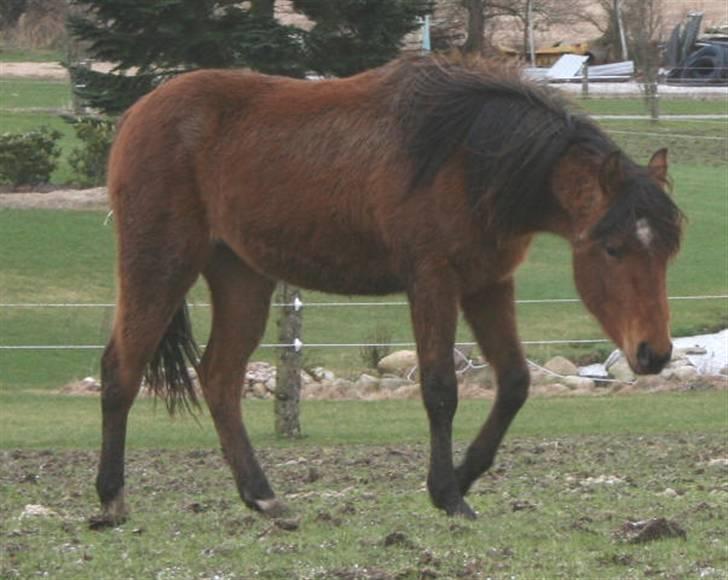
669 105
34 94
356 485
36 420
15 54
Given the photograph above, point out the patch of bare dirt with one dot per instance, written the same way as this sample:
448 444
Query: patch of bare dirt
43 70
69 199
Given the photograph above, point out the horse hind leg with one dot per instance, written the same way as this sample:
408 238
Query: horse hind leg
154 276
240 300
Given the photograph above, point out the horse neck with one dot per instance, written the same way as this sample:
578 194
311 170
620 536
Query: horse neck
580 200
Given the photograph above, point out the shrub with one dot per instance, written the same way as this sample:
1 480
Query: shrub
377 347
89 161
28 158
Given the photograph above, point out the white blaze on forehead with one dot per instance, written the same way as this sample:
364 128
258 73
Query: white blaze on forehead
644 232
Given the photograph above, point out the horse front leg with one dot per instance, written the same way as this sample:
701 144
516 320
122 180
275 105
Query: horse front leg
491 315
434 317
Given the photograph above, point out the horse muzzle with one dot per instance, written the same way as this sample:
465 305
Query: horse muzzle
650 362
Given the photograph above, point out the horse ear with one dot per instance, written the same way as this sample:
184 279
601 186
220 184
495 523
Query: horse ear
658 166
611 172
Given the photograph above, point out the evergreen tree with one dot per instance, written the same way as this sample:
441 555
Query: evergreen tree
354 35
155 39
165 37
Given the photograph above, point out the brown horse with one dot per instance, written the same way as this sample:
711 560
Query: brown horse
424 176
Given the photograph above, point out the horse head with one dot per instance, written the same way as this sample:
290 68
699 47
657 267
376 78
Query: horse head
623 229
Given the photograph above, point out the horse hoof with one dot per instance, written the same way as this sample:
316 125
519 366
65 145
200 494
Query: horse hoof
462 510
104 521
272 508
113 513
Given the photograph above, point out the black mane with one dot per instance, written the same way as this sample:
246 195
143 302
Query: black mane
512 133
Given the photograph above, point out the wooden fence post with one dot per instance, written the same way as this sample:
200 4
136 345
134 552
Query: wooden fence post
290 363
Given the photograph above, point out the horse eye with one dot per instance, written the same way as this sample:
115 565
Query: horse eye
613 251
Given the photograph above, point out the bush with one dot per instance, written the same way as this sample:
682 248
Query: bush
28 158
89 161
377 347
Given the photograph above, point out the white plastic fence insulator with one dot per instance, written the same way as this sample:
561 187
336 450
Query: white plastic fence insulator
297 304
297 344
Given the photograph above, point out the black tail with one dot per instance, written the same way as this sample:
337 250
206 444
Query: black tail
167 374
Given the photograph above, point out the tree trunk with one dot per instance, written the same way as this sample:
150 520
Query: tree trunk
620 28
476 27
290 363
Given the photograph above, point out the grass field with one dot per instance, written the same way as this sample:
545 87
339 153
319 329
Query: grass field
34 94
15 54
571 478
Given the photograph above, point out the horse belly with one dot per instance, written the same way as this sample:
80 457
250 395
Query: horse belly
336 262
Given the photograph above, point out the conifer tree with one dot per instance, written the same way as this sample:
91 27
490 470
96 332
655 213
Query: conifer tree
350 36
160 38
155 39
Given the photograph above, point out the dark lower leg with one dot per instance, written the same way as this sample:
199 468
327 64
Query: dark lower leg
440 398
116 400
512 393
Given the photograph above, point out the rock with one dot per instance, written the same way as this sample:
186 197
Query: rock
260 391
550 389
407 392
578 383
651 530
649 382
473 391
483 376
345 387
312 391
621 370
367 384
37 511
685 373
561 366
692 350
539 377
392 384
398 363
321 374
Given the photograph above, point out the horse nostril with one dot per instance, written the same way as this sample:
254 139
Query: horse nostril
649 361
644 355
